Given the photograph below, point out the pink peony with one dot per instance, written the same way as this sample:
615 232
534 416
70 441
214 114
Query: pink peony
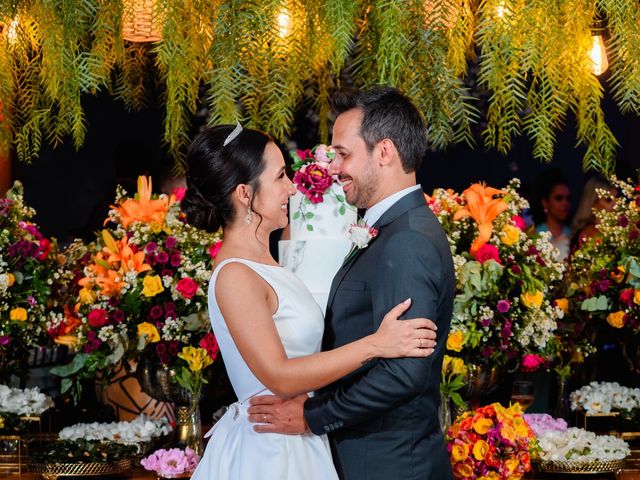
187 287
171 463
531 362
488 252
313 181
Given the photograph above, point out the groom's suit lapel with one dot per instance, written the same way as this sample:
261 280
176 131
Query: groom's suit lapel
408 202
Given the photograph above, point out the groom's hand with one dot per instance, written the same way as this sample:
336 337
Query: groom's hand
275 415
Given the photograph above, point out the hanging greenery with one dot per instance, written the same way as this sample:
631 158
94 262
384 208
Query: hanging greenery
258 61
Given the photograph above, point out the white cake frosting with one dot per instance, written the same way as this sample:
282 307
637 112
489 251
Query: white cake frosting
315 254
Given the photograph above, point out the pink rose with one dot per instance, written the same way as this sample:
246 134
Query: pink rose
97 317
488 252
313 181
187 287
214 249
519 222
178 193
531 362
324 155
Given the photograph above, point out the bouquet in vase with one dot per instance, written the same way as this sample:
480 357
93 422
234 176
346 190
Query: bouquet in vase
503 309
27 265
144 290
492 442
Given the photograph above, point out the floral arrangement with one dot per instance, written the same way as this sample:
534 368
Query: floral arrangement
605 270
454 371
605 397
81 451
491 442
141 429
143 289
29 401
503 309
27 260
579 445
171 463
314 182
543 422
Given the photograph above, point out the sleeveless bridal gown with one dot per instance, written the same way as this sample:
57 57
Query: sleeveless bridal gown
235 451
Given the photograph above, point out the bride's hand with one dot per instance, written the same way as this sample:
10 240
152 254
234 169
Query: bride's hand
404 338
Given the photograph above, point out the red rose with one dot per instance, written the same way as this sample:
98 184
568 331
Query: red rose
210 344
531 362
187 287
313 181
488 252
44 249
97 317
626 297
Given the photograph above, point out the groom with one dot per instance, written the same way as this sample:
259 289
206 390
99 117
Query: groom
382 420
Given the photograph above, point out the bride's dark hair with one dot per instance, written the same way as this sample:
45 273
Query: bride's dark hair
215 170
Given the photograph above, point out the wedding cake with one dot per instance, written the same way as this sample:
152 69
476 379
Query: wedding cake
319 222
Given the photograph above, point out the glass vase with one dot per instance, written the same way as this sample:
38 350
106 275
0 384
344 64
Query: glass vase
444 413
189 426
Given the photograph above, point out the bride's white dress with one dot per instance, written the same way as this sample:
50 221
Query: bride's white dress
235 451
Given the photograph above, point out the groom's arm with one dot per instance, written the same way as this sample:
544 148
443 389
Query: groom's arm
409 267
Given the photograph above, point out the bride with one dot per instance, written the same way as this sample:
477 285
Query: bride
268 325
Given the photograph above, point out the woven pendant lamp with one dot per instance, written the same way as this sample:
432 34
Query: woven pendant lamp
142 21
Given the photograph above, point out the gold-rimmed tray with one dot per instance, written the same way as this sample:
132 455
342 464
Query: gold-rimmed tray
596 466
51 471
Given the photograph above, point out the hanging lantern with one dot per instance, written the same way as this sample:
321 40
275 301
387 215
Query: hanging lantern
142 21
598 52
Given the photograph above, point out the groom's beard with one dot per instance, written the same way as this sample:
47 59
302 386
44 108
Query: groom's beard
363 188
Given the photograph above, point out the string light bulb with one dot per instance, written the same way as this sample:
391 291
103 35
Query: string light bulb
284 23
12 30
598 54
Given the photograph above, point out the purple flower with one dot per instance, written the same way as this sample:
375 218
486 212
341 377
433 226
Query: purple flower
487 352
542 422
162 257
170 242
173 348
166 273
623 221
151 247
516 270
150 259
170 307
156 312
634 234
175 260
485 322
172 462
113 302
503 306
118 316
5 340
161 348
32 301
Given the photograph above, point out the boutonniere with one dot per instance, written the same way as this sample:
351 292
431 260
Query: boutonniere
360 235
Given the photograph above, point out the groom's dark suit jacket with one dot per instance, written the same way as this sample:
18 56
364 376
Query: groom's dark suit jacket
382 419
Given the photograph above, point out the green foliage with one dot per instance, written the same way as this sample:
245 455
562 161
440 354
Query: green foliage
532 58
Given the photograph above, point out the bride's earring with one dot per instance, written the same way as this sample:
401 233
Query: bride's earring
249 216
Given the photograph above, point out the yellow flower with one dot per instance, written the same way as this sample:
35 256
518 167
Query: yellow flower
18 314
508 432
511 235
480 449
532 299
562 304
460 451
86 296
197 358
446 363
636 297
512 464
490 476
520 427
150 331
458 367
464 470
482 425
152 286
1 422
12 278
455 341
616 319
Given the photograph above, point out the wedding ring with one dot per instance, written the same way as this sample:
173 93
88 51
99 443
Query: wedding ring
264 418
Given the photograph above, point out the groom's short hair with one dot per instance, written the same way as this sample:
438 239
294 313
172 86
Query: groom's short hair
387 113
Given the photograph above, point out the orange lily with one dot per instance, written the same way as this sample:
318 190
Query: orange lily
121 251
483 208
142 208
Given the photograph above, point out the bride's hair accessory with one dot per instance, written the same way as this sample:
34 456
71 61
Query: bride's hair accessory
235 132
